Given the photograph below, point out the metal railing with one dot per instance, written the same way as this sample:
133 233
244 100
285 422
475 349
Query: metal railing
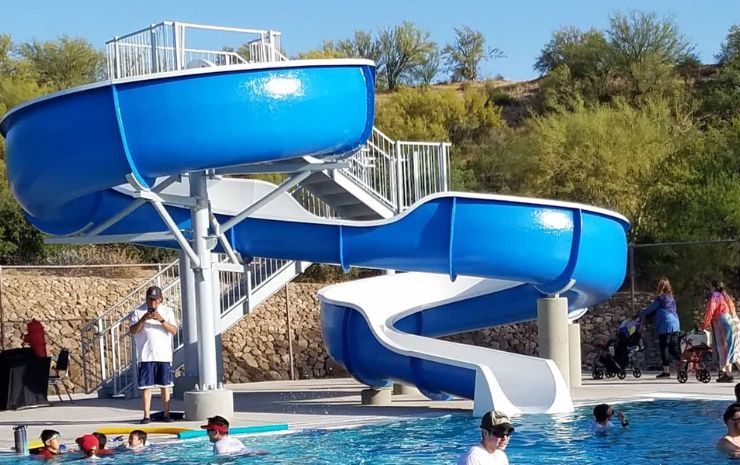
105 341
164 47
400 173
422 169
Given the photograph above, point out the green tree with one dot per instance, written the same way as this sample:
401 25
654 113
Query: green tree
644 51
402 49
65 62
464 55
722 92
585 53
428 69
575 68
361 45
730 49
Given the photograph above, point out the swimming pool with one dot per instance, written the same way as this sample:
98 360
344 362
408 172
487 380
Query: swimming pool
660 432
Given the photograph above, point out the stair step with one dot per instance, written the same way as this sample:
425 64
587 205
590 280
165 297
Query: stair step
324 189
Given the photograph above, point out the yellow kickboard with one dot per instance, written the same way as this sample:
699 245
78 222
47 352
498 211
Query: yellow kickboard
146 429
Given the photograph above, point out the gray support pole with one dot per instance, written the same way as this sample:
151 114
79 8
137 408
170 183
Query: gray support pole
203 283
189 328
552 324
217 321
574 347
210 400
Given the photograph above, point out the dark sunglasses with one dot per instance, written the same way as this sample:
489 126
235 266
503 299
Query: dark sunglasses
500 433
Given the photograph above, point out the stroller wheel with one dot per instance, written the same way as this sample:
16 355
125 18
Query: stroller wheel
636 372
610 374
704 375
598 374
682 376
621 375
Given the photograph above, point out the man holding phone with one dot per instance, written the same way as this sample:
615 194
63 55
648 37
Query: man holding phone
153 325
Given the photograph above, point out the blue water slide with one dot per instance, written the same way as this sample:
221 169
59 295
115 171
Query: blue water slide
474 261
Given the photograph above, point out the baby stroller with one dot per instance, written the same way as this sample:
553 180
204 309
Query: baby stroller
695 346
620 355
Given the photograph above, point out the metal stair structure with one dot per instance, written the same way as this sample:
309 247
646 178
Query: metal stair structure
379 181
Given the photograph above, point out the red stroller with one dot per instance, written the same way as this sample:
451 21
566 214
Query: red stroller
695 346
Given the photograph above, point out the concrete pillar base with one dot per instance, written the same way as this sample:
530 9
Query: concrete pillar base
199 405
183 384
552 326
376 396
403 389
574 347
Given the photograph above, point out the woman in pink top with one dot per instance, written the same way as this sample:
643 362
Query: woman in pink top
720 315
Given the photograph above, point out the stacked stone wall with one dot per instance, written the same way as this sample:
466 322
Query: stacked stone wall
257 348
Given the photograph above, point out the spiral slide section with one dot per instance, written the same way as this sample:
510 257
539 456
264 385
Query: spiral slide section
477 260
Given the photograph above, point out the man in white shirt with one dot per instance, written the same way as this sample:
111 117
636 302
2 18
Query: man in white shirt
223 444
153 325
496 430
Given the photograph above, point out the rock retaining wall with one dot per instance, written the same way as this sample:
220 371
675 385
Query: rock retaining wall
257 348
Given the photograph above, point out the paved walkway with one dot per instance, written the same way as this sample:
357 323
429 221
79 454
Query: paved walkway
318 403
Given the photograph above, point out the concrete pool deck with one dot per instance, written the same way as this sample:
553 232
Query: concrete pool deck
318 403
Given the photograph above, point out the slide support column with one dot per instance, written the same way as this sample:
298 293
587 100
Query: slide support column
552 324
211 399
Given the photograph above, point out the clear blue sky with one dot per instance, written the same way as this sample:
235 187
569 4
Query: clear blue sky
518 27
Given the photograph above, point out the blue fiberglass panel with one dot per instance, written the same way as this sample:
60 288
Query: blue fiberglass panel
64 149
230 118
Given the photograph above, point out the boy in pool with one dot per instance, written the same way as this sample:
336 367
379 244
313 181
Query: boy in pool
52 446
223 444
88 446
102 441
602 419
136 441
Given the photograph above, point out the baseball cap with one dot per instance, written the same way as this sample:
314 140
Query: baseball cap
496 420
87 442
217 424
154 292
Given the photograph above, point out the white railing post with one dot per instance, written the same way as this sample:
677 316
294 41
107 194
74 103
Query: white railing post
117 50
444 168
177 45
399 178
101 351
153 46
417 180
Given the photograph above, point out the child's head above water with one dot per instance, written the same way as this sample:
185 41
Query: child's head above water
137 438
601 412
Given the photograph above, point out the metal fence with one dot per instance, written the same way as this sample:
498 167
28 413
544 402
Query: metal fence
690 266
165 47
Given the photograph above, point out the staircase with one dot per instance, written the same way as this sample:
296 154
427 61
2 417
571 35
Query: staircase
382 180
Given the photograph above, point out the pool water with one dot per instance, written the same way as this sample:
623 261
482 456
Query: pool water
660 432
